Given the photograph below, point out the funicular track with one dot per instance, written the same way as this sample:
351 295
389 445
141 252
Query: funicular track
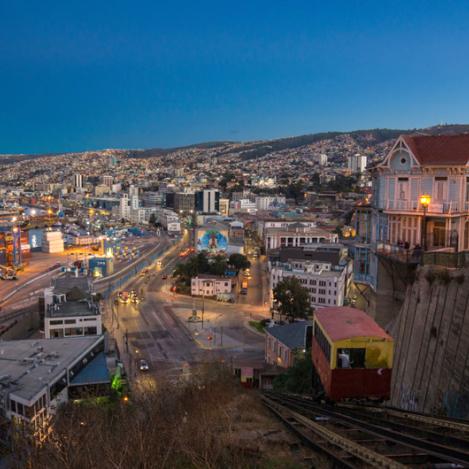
354 435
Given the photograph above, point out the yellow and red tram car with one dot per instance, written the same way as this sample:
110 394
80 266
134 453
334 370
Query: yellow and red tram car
352 355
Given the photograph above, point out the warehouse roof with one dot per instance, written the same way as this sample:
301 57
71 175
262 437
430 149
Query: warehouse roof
343 322
28 366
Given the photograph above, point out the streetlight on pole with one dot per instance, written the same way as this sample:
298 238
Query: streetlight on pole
425 200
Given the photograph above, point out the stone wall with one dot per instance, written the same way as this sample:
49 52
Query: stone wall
431 332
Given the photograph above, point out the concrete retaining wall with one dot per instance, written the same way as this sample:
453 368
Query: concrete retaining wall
431 363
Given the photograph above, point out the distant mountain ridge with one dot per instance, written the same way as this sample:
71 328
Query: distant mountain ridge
257 149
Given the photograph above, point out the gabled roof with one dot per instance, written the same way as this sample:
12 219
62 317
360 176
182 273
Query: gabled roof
292 335
343 322
439 149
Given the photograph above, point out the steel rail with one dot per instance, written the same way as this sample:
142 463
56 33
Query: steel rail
298 422
446 453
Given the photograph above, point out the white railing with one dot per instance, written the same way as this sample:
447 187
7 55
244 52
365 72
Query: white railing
415 206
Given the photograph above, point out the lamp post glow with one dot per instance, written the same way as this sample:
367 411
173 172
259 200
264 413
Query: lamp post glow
425 200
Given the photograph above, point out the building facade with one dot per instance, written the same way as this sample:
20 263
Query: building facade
210 285
398 218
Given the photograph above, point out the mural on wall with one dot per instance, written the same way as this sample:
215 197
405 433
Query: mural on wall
212 241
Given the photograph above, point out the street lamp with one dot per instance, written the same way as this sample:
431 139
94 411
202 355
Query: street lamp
425 200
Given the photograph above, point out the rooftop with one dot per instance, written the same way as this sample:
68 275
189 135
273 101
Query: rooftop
69 282
27 366
292 335
95 372
72 308
439 149
343 322
298 253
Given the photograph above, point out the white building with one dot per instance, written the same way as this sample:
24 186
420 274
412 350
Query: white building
356 163
207 201
53 242
243 205
78 181
72 319
134 202
124 208
321 159
108 181
263 224
116 187
325 284
133 190
295 235
269 202
210 285
169 220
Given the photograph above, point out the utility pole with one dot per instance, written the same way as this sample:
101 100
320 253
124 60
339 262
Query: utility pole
221 335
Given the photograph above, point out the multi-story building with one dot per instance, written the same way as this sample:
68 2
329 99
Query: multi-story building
356 163
78 182
224 207
169 220
108 181
70 310
324 281
420 202
210 285
184 202
124 207
296 234
268 202
207 201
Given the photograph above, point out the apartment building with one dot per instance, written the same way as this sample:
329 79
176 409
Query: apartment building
324 281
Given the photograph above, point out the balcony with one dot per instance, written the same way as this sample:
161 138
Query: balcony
437 208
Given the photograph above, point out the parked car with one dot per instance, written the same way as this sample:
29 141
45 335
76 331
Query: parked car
143 365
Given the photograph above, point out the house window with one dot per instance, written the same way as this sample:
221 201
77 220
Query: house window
440 184
403 188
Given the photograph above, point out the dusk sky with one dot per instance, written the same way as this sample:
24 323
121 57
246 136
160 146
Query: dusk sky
77 75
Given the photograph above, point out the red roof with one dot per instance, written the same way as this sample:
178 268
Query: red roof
439 149
343 322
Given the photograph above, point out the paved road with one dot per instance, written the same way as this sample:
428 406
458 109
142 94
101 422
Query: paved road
158 330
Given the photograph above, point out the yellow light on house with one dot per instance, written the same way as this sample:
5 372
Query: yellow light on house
49 211
425 200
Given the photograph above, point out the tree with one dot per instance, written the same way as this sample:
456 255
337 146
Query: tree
218 265
152 219
292 298
295 191
298 378
238 261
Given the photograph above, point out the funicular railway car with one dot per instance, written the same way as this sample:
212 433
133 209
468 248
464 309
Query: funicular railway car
352 355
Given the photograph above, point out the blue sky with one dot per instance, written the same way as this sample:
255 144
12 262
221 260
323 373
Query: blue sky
78 75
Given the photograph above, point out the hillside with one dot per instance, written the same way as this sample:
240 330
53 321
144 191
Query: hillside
258 149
